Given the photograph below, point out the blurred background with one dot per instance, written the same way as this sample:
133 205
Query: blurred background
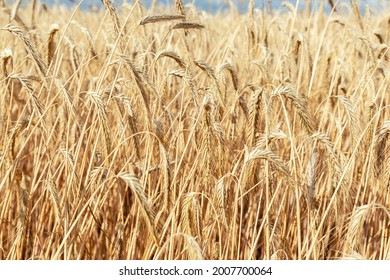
214 6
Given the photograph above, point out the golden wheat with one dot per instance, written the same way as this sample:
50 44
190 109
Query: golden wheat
128 133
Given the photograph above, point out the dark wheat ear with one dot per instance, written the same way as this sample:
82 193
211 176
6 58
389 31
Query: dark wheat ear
6 57
332 5
160 18
179 7
50 42
188 25
311 175
381 146
233 73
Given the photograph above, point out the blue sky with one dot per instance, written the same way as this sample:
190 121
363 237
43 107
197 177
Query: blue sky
214 4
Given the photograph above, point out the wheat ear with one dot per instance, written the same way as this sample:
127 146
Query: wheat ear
116 22
160 18
188 25
174 56
191 216
380 144
50 42
29 46
103 119
149 215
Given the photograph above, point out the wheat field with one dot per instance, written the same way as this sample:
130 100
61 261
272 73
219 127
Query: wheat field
171 133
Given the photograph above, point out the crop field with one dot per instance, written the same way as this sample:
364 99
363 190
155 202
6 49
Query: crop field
169 133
